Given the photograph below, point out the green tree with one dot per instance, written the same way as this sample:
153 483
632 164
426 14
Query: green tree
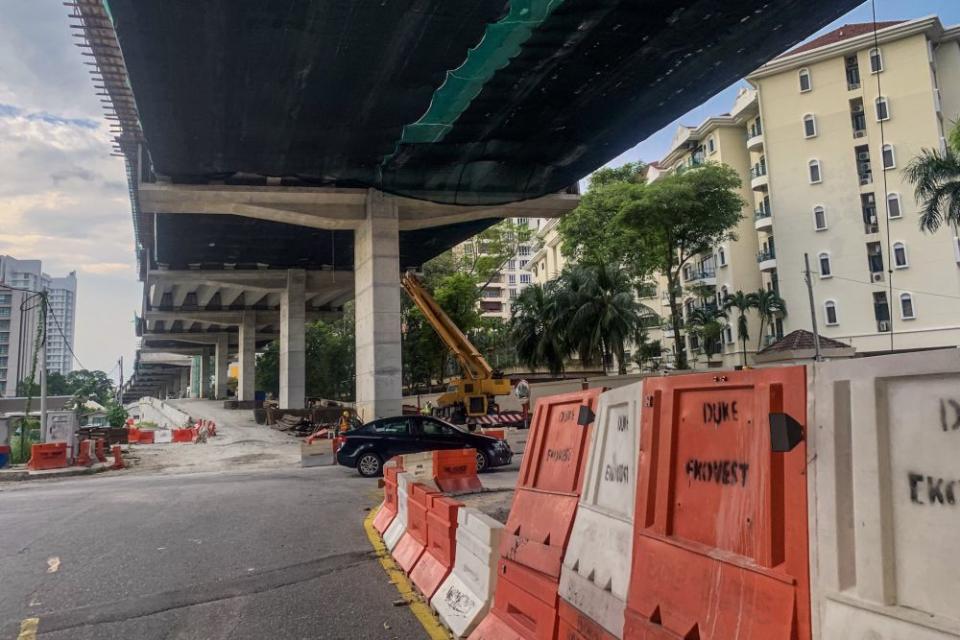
267 369
742 302
707 323
116 415
593 234
936 179
493 339
535 331
92 384
648 352
601 314
769 306
678 217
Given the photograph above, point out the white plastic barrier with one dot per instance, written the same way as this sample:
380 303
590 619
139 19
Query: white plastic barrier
596 566
162 436
465 596
399 525
420 467
885 497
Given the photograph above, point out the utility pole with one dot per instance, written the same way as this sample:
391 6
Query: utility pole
120 388
44 433
813 308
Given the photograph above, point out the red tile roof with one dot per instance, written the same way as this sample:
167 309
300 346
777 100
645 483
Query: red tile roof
801 340
845 32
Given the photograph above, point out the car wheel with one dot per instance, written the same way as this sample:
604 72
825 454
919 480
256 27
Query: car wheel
369 465
483 463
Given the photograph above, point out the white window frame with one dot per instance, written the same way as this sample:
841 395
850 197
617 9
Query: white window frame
876 108
728 334
805 73
913 305
893 157
893 195
820 257
827 304
906 255
721 256
822 210
809 117
711 145
870 60
810 165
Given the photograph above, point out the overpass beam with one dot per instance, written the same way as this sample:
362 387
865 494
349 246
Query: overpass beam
293 389
222 366
377 290
247 357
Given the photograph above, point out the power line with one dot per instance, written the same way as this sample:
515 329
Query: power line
910 291
66 341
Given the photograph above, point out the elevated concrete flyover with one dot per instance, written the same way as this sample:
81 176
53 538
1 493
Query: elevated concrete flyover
369 137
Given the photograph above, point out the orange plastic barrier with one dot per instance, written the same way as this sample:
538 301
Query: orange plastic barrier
100 448
437 561
117 458
388 510
146 437
133 435
720 533
86 454
52 455
499 434
526 599
573 624
182 435
414 540
455 470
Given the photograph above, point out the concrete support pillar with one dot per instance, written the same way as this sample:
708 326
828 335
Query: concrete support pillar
248 356
222 366
293 389
205 374
377 288
194 391
185 382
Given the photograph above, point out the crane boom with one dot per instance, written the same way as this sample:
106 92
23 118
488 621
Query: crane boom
474 365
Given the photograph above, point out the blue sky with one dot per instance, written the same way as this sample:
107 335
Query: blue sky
657 145
63 197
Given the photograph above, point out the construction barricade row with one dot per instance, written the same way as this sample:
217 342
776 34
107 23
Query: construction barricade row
436 562
388 509
414 540
399 525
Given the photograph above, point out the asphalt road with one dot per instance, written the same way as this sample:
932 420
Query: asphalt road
277 553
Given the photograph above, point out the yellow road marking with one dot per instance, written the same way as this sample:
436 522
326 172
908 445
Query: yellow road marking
28 629
418 607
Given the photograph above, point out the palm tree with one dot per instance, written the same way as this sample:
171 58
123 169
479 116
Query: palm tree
534 329
769 305
599 311
936 179
742 302
705 323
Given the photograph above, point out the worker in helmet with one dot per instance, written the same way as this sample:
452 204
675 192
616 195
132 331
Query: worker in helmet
344 424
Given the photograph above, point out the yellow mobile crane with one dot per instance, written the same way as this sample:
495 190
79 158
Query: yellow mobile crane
472 396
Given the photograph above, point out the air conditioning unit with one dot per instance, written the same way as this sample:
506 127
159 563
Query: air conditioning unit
876 276
863 156
873 219
857 108
883 325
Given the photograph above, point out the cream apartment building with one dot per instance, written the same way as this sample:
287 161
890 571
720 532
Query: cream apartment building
842 116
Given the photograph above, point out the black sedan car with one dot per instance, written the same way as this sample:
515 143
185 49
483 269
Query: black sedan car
366 448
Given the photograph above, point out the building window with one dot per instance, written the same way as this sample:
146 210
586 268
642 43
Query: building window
825 271
511 279
524 250
830 313
889 158
809 126
511 265
513 294
900 255
523 264
711 145
906 307
876 61
805 83
524 278
728 334
883 109
722 256
523 222
819 218
893 205
815 175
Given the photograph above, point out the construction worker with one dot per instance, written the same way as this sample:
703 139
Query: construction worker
427 409
344 424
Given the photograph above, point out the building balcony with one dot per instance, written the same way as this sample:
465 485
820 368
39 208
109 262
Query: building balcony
763 220
755 141
703 276
758 178
767 260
